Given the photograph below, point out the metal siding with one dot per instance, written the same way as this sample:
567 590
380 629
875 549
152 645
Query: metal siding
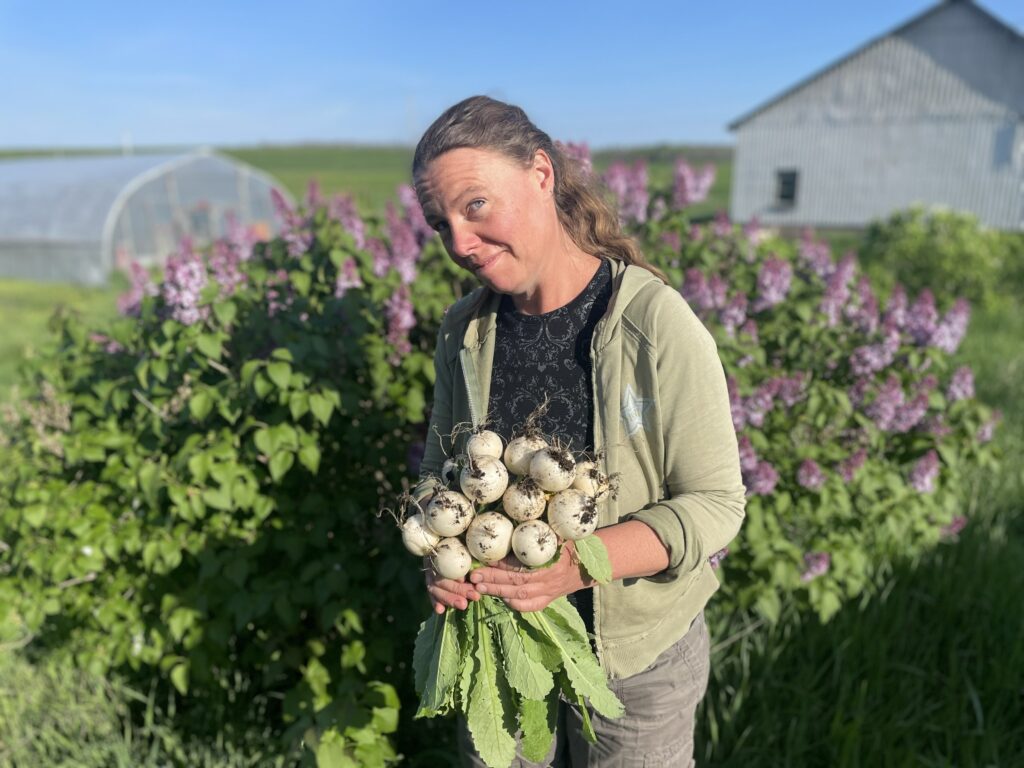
904 122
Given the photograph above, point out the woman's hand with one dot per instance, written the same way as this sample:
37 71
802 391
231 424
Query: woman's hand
531 590
448 593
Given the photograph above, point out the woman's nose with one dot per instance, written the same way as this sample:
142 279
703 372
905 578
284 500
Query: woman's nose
462 239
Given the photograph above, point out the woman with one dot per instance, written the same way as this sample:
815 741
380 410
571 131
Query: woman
570 311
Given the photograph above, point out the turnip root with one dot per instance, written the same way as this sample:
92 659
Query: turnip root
592 481
417 537
489 537
553 468
449 513
484 480
572 514
451 559
519 452
534 543
484 443
524 500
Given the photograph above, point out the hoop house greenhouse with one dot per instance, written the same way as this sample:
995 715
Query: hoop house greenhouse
75 219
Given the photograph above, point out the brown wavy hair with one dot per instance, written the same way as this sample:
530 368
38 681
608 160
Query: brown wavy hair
481 122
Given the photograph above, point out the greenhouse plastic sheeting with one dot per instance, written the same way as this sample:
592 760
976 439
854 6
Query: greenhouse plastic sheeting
75 219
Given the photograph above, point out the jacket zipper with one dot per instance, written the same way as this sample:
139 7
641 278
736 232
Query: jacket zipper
469 379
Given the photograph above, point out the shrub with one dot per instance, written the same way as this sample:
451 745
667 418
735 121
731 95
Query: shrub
942 250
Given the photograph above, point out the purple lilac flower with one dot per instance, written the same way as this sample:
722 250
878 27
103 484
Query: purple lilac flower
762 480
815 564
719 289
925 472
871 358
629 185
953 528
279 293
837 290
748 456
815 255
691 186
790 390
414 215
716 559
750 329
909 415
697 291
110 346
658 209
734 313
773 283
342 208
951 330
922 318
224 263
886 404
754 232
739 414
896 310
858 391
848 467
759 404
381 257
405 250
401 319
864 313
672 240
696 234
295 232
961 384
810 476
240 237
722 227
184 279
348 277
314 198
935 425
579 152
988 430
130 302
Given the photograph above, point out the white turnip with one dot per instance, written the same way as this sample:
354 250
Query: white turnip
534 543
553 468
524 500
451 559
484 480
484 443
449 513
417 537
592 481
489 537
572 514
520 450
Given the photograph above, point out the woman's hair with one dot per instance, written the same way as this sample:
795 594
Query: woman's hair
481 122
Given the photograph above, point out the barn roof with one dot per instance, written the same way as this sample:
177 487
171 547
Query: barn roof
901 29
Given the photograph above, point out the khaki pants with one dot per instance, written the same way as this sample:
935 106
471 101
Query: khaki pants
655 732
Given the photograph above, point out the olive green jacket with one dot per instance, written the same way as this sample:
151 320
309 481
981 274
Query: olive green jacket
662 421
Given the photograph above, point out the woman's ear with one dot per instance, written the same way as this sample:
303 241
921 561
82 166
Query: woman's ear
544 171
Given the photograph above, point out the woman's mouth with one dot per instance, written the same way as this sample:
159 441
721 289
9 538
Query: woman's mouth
483 264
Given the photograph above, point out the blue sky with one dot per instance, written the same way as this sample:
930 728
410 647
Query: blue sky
234 73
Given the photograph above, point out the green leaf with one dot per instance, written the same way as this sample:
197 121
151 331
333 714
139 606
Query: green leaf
280 463
435 661
537 721
34 515
209 344
298 404
300 281
225 312
218 498
200 404
179 677
309 455
525 673
332 753
489 711
594 558
321 407
265 443
261 385
280 373
578 660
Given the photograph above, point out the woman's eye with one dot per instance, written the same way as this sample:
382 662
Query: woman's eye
475 205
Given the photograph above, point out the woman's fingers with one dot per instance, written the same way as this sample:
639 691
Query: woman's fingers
450 593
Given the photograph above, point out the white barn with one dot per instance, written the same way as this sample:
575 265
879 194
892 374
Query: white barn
930 113
75 219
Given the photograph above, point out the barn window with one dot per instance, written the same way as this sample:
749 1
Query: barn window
785 188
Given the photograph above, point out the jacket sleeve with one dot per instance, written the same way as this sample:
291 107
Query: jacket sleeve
705 498
440 420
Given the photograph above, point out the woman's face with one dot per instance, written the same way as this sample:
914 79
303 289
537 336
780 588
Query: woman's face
496 218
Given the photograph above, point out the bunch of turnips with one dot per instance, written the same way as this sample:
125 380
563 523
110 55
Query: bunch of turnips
524 498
